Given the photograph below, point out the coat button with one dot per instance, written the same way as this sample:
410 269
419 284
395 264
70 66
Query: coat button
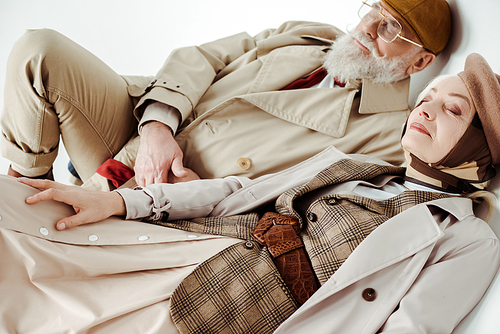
248 245
312 216
331 201
244 163
369 294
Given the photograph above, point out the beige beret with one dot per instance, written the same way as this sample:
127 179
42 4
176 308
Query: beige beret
484 87
428 20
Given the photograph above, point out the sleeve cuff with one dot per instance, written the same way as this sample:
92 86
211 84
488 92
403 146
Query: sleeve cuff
137 203
177 201
160 112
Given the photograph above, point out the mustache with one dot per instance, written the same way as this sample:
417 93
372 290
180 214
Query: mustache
366 41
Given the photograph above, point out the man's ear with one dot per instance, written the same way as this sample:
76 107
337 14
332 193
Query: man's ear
421 61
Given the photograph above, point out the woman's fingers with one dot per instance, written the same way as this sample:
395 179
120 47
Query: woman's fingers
89 206
54 194
40 183
42 196
49 190
72 221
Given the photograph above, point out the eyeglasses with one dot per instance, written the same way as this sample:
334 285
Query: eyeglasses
389 28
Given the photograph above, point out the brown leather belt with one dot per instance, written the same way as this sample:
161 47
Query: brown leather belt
279 234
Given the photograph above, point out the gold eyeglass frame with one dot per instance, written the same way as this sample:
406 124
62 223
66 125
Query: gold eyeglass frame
385 18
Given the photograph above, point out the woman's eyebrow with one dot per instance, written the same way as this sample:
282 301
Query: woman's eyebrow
465 98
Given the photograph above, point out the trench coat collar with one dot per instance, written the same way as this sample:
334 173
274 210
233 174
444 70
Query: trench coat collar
285 65
414 232
395 95
342 171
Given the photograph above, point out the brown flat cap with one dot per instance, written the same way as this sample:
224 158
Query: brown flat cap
484 87
429 21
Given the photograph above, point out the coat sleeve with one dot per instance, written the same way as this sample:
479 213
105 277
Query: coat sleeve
189 71
452 282
185 200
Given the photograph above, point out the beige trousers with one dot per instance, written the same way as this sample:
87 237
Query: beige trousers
56 89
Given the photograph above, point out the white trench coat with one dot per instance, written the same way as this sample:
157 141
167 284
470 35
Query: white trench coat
117 276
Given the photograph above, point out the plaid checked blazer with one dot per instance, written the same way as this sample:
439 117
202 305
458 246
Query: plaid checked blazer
239 290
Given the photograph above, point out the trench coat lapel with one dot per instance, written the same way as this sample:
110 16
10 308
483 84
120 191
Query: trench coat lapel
342 171
324 110
285 65
407 236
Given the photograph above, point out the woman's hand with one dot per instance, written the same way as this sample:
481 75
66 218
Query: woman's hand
90 206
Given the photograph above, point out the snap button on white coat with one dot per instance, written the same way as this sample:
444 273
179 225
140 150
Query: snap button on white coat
93 237
244 163
192 236
44 231
143 238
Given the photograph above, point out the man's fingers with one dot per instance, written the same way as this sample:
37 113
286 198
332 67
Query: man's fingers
161 177
139 180
144 180
178 168
143 172
148 179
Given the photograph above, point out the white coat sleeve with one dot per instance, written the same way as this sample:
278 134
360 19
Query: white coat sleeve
221 197
180 200
452 282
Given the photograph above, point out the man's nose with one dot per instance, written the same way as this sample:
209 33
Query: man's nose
370 28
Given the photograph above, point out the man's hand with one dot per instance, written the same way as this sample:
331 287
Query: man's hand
190 176
158 154
90 206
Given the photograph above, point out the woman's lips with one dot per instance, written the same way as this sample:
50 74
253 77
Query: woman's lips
420 128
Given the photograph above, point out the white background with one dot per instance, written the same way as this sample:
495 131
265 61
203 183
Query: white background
135 37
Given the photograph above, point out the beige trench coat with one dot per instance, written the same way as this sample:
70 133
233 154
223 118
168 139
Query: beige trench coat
237 122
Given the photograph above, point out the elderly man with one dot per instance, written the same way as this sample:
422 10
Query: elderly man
241 105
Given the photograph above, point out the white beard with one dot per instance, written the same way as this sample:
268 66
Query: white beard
345 60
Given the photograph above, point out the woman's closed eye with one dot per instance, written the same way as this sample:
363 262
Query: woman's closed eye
454 109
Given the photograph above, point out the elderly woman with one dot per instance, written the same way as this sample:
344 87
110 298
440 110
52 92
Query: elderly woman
359 248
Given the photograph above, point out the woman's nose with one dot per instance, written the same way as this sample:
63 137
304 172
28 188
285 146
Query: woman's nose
425 114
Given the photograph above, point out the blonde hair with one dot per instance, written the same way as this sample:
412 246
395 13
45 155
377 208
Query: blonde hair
431 84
